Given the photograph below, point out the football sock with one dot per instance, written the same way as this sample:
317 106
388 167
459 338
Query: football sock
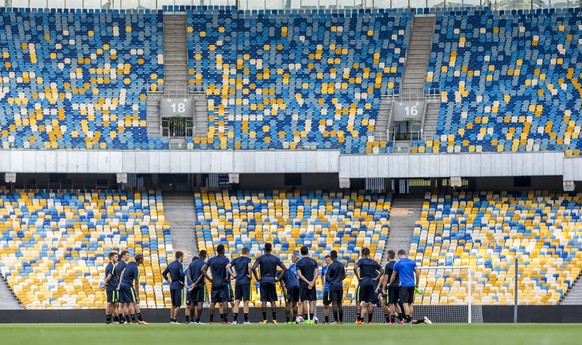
335 317
188 318
274 316
326 319
408 318
387 316
400 316
287 319
311 316
341 316
133 318
235 317
370 316
393 319
121 318
264 316
108 318
115 318
139 317
419 321
305 317
246 315
197 320
211 317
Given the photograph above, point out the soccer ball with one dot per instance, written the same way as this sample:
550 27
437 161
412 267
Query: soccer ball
299 319
315 320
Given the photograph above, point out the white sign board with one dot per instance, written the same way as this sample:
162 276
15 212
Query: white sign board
408 110
170 107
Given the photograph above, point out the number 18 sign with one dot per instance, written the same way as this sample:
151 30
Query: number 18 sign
170 107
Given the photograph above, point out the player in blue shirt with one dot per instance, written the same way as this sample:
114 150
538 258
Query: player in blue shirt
324 283
307 271
293 268
290 287
129 289
176 281
219 291
198 288
110 285
408 273
241 269
334 277
367 271
268 264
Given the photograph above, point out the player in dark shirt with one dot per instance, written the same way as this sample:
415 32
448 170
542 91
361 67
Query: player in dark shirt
219 282
129 290
307 271
123 258
240 269
334 276
290 286
189 311
390 291
198 291
326 299
176 281
268 264
110 285
367 271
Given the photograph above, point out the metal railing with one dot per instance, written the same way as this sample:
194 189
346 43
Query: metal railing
176 91
294 4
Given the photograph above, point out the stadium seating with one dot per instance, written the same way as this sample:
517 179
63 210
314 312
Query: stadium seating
78 79
295 79
54 245
487 231
322 221
510 81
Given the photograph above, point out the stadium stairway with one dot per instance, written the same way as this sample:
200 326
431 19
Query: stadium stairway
383 120
418 55
431 119
154 125
7 299
200 114
175 52
574 296
181 214
403 216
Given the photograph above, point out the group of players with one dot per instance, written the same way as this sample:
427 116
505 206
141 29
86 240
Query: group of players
392 287
122 286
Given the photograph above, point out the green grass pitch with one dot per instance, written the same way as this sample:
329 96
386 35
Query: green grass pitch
161 334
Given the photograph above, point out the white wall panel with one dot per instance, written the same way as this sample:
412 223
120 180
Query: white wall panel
142 162
51 161
61 162
447 165
572 169
352 166
276 161
5 161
